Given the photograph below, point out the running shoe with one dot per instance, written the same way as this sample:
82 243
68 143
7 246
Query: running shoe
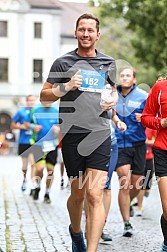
62 183
139 212
35 193
128 229
135 204
23 187
78 243
31 192
164 248
146 194
47 198
105 236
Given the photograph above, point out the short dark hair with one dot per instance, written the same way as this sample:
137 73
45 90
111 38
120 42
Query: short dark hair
88 16
128 67
162 76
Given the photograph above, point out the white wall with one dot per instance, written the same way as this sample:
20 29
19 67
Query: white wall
67 45
21 48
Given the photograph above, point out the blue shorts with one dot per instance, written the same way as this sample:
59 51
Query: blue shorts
113 162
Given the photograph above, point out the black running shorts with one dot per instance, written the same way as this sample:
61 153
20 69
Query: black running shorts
160 162
75 163
135 156
24 150
148 174
50 157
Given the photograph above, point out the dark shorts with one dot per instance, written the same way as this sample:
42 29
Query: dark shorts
160 162
135 156
39 155
76 164
24 150
148 174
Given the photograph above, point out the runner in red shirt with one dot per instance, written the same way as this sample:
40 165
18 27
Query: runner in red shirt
155 116
149 170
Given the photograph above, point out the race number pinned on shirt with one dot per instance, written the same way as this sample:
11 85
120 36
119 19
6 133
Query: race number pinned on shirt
92 81
28 132
48 146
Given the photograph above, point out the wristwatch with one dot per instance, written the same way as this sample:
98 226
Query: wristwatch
62 87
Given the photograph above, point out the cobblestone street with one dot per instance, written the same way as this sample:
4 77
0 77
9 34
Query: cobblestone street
32 226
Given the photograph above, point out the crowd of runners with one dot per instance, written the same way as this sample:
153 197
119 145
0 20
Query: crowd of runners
91 140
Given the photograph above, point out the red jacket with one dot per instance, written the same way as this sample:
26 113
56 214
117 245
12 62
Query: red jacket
154 110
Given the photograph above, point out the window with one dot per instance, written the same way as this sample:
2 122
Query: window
37 30
3 28
3 70
37 71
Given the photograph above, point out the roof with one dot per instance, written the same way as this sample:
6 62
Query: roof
71 12
51 4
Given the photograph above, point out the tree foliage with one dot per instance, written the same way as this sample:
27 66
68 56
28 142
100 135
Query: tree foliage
147 19
115 41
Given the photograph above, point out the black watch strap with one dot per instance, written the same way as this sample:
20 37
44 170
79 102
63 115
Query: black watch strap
62 88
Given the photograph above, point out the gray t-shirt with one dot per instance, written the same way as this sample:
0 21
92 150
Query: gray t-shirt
80 111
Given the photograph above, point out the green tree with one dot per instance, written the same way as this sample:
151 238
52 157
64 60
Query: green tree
147 19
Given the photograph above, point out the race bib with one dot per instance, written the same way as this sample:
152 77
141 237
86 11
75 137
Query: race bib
28 132
48 146
92 81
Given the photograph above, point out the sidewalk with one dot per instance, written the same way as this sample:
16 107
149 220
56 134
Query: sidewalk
32 226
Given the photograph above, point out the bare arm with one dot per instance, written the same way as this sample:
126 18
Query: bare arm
121 125
138 117
56 129
34 127
150 142
18 126
51 93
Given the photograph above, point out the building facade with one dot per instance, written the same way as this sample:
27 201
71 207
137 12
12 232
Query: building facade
33 33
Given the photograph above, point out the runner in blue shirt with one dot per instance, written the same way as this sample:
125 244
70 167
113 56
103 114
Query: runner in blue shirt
44 147
131 143
18 122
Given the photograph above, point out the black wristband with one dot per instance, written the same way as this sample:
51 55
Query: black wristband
62 88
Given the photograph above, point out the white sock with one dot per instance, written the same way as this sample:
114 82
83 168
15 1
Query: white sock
36 185
47 190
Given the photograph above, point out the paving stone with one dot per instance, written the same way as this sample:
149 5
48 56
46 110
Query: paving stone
39 227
